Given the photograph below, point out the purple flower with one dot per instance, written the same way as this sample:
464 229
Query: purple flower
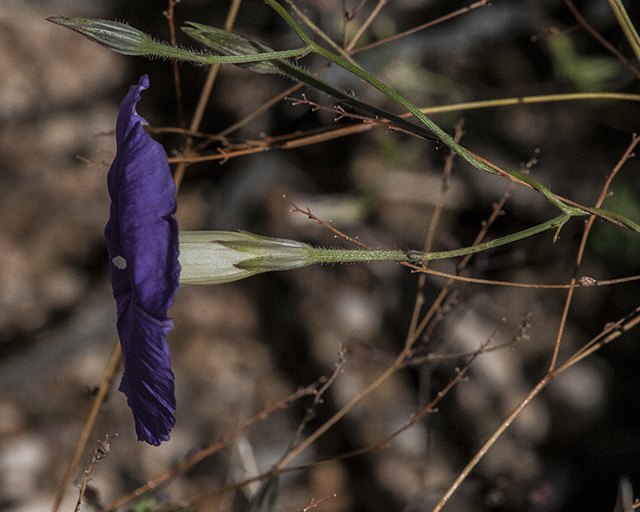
142 239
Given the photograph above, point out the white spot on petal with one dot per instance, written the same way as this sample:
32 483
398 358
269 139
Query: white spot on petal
120 262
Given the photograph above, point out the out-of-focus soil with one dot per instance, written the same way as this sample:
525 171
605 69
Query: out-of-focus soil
240 347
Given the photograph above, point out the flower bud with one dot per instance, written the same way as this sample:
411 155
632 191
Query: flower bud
216 257
228 44
118 37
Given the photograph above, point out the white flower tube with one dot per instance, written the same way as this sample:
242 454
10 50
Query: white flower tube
216 257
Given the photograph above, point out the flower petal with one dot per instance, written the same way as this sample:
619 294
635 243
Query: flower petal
148 380
142 239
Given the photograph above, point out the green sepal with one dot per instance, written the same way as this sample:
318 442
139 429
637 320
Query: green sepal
124 39
116 36
228 44
216 257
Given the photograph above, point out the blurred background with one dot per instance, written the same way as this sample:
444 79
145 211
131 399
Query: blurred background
240 347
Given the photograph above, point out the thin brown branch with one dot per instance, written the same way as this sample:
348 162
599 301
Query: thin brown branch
582 282
365 25
449 16
317 400
338 233
105 385
430 408
204 96
594 33
289 141
261 109
202 454
314 503
101 451
583 242
170 15
490 347
433 224
610 332
189 133
494 437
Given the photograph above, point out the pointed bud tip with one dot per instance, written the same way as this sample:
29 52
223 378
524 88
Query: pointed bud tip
116 36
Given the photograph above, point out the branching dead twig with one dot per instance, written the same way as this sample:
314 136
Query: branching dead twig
314 503
609 333
105 385
317 400
279 468
344 114
202 454
416 360
435 219
101 451
430 408
329 225
583 243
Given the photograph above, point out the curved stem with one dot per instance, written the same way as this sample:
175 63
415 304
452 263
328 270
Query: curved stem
435 129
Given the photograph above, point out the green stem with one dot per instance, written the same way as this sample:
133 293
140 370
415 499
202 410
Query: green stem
435 129
231 44
127 40
226 43
311 80
179 53
325 255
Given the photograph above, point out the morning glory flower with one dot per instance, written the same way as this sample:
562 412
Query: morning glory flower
144 245
142 240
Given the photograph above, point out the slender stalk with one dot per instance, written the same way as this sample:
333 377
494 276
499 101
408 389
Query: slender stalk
365 25
594 33
325 255
114 361
542 98
627 26
568 208
494 437
204 98
432 127
607 335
